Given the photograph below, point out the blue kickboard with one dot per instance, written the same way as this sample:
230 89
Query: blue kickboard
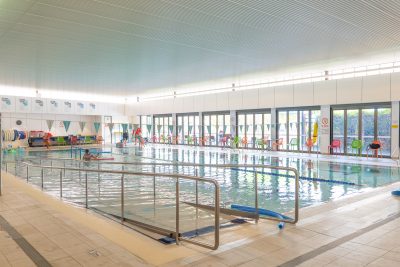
260 211
396 193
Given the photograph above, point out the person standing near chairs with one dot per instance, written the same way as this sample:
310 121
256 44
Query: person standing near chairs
46 139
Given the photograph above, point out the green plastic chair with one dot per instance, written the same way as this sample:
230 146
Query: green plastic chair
260 143
236 141
88 140
294 142
189 140
61 141
356 145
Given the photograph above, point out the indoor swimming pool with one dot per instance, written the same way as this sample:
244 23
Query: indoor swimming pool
320 181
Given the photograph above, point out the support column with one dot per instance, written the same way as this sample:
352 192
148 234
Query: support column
200 131
395 130
274 126
324 129
174 127
233 121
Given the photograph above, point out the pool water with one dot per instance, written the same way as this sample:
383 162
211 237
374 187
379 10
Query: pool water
321 181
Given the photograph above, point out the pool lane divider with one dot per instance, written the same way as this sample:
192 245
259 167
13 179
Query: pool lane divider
300 177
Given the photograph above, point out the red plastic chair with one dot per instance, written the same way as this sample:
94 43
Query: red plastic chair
336 144
376 150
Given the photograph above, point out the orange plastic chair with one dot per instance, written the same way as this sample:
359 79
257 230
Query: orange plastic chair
336 144
375 146
309 144
244 141
278 143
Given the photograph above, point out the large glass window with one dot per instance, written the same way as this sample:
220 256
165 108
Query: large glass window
384 121
188 128
338 128
254 128
296 127
162 128
216 128
146 126
365 123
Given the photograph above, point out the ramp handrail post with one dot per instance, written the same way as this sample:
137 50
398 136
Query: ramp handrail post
256 195
177 212
122 198
86 189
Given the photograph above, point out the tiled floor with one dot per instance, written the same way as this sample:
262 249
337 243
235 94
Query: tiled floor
70 236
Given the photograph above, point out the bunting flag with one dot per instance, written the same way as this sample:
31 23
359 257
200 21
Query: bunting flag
190 129
209 129
82 125
66 125
225 127
149 126
50 124
255 127
241 128
111 126
179 128
96 126
124 127
247 128
171 129
268 126
159 128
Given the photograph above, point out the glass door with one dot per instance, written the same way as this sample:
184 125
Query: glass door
366 123
352 130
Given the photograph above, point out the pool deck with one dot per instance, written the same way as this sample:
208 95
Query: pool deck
357 230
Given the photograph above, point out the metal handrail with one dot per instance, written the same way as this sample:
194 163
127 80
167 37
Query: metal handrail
123 173
187 164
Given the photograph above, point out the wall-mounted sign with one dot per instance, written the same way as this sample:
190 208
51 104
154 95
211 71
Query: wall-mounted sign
67 106
80 107
54 106
7 103
23 104
37 105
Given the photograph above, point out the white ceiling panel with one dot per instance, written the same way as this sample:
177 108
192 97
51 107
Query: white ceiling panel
129 47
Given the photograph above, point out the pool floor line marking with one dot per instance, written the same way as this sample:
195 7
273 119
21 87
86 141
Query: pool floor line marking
300 177
316 252
29 250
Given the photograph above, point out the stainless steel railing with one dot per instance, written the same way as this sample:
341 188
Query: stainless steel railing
184 164
177 178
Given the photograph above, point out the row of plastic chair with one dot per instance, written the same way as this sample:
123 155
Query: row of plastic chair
357 145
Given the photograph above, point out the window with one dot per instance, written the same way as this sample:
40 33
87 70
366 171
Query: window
255 127
188 129
295 127
146 126
216 127
162 128
365 123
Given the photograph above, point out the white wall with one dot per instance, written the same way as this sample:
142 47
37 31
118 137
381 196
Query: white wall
17 104
38 122
377 88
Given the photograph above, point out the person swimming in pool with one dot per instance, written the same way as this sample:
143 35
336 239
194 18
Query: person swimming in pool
88 156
